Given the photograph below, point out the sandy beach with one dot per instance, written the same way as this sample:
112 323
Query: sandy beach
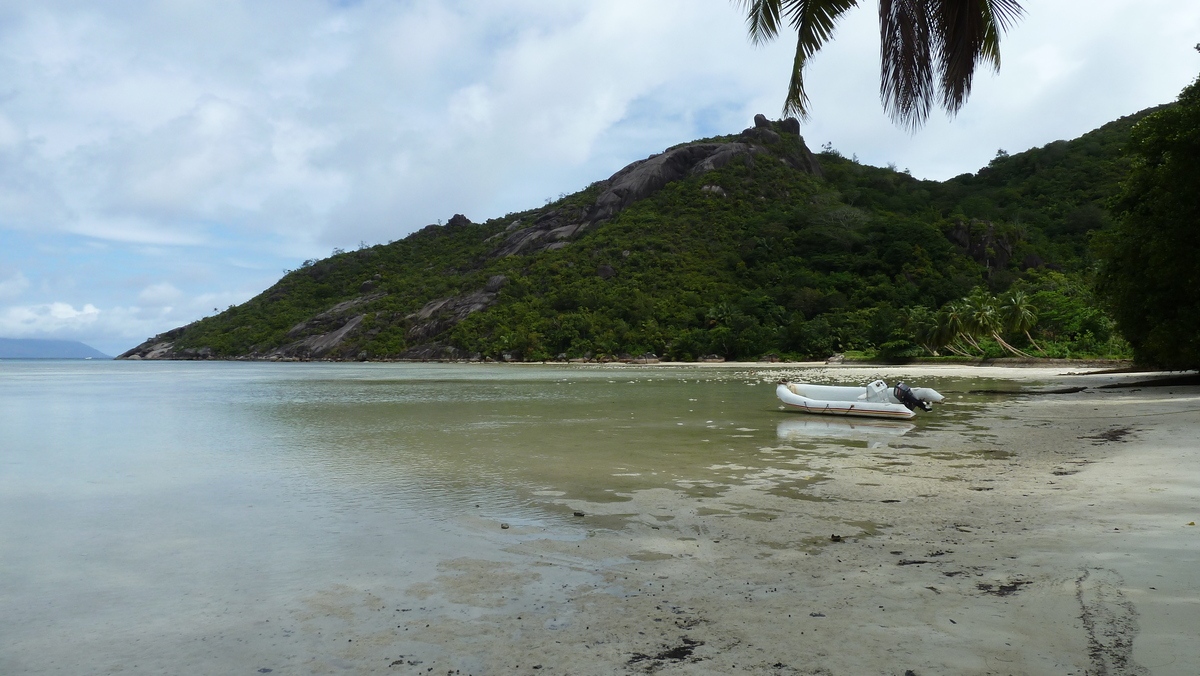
1053 535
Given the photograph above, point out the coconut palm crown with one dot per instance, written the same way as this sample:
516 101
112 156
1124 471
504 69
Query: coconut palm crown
928 48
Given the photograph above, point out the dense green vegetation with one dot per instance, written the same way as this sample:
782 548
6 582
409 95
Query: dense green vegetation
1151 271
751 259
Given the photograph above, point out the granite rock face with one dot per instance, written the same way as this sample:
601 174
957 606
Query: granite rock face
555 228
161 346
321 336
642 179
543 233
438 316
321 344
979 240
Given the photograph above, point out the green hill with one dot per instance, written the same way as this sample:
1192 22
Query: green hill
737 246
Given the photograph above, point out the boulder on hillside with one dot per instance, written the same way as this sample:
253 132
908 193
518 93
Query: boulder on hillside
543 232
797 156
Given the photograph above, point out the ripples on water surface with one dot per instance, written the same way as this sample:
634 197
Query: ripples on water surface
148 499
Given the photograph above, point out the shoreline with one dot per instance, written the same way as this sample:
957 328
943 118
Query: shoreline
1121 365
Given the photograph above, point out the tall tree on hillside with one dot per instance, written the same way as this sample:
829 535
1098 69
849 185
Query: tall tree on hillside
929 48
1150 273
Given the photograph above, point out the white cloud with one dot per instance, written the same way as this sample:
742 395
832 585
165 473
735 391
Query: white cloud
117 328
9 134
162 294
50 319
136 229
331 122
14 285
325 121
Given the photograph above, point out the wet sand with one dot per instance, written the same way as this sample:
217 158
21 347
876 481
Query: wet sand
1051 535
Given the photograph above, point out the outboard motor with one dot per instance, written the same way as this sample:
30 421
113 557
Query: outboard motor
905 394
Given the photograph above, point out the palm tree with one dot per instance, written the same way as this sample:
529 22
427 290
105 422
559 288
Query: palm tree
983 318
929 48
950 328
923 326
1019 314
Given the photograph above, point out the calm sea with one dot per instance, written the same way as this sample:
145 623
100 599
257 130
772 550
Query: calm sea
156 517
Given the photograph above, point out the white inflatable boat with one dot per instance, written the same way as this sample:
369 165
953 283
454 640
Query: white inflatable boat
876 400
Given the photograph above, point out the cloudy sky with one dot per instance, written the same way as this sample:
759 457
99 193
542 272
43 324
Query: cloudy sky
159 160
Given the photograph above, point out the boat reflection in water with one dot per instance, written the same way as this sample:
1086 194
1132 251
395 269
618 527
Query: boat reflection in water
808 428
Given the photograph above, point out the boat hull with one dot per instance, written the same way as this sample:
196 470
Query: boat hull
841 407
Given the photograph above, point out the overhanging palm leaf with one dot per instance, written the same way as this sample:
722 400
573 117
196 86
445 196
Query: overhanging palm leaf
967 32
813 21
920 41
762 18
906 59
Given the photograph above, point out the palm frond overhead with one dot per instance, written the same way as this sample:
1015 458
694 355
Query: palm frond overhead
814 22
762 19
929 49
967 32
906 60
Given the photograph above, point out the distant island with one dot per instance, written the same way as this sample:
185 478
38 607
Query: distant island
33 348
